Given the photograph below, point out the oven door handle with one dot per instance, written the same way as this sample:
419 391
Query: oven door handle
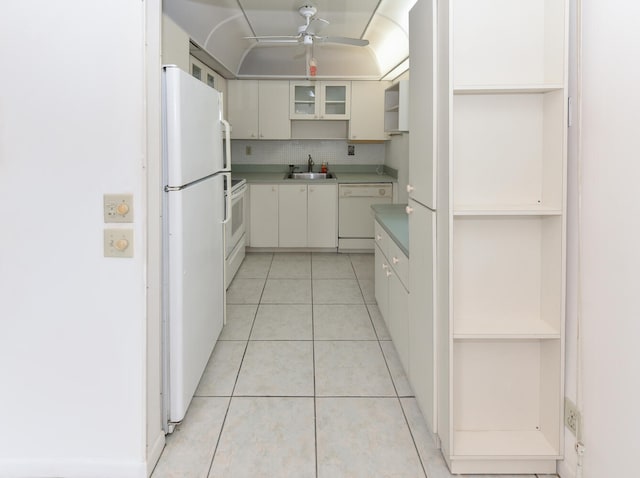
227 199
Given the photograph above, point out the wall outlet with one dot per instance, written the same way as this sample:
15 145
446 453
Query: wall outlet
571 416
247 150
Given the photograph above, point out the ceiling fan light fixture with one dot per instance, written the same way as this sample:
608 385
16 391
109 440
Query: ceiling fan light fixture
307 39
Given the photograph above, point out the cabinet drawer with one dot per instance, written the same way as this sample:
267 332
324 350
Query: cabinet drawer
382 239
399 262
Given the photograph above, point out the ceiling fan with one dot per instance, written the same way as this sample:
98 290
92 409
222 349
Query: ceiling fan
308 33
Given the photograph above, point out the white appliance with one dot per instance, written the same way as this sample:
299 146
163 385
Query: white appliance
235 230
355 218
195 169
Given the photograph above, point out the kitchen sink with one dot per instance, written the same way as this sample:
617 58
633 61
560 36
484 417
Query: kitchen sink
309 176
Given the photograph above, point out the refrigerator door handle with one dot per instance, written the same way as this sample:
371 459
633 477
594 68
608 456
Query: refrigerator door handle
227 145
227 199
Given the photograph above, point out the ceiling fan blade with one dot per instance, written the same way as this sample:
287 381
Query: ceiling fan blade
316 26
343 40
277 40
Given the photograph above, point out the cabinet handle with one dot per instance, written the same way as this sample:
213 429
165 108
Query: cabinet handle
378 237
389 274
385 267
410 188
408 209
395 260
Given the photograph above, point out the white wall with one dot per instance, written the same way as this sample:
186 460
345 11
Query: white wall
72 333
610 236
175 44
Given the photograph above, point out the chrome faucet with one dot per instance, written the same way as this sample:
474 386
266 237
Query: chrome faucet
310 164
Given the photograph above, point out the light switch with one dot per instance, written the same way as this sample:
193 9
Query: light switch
118 208
118 243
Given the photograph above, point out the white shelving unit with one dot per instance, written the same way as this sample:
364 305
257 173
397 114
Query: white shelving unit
500 116
396 107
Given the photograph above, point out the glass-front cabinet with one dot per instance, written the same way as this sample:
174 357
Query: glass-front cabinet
203 73
320 100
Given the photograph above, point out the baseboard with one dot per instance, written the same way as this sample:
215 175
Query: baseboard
85 468
154 452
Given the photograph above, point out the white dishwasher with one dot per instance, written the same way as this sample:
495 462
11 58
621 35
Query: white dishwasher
355 217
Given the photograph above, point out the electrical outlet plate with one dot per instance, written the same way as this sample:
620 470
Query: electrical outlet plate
571 416
118 208
118 243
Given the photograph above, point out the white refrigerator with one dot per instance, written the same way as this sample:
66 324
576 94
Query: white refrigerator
195 169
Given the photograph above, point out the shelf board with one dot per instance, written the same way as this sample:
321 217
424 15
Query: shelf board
472 328
509 444
504 89
505 210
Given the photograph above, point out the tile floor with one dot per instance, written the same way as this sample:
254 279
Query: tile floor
304 382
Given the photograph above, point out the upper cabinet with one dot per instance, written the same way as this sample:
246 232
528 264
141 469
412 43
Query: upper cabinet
396 107
205 74
320 100
367 105
258 109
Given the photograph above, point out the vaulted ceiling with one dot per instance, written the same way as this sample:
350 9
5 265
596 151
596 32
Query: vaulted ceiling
220 26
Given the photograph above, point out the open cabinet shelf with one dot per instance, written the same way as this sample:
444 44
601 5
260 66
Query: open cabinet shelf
498 42
507 275
508 150
396 107
505 398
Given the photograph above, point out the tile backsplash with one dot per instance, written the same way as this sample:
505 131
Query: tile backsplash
297 152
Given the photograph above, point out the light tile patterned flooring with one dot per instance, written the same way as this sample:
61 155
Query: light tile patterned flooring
303 382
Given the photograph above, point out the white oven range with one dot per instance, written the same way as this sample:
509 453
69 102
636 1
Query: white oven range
235 230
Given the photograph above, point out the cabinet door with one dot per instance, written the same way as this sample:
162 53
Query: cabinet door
304 100
399 320
197 68
335 99
381 282
243 108
367 110
292 212
273 108
422 343
422 88
322 218
264 215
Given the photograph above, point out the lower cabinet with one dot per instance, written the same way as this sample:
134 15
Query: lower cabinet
322 215
392 292
293 215
399 315
422 340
